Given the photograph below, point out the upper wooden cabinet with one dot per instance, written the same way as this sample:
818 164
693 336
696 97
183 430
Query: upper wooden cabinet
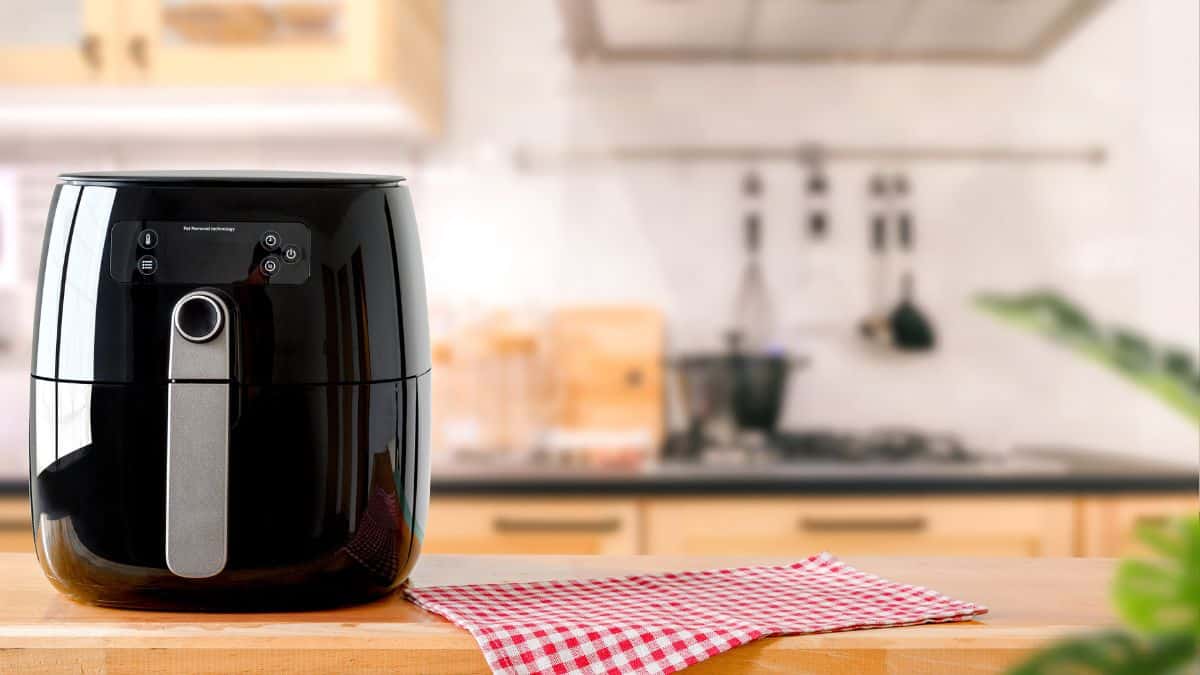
57 41
392 44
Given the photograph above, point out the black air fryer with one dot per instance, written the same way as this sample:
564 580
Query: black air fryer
230 393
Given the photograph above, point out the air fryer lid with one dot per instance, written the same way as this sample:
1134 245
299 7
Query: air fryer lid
231 178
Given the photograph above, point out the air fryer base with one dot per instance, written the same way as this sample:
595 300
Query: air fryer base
328 513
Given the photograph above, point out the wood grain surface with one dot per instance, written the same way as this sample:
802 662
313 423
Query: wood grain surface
1031 601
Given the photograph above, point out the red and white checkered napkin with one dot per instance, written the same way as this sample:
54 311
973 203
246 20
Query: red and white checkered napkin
661 623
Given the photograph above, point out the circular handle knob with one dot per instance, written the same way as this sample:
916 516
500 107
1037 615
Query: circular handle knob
199 318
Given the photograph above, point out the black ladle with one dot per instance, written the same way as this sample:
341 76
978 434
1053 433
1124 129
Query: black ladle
911 330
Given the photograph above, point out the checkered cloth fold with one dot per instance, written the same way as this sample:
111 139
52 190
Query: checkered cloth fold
661 623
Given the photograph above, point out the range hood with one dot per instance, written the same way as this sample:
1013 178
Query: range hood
952 31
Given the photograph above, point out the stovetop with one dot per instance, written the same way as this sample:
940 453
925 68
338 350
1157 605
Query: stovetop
885 445
818 460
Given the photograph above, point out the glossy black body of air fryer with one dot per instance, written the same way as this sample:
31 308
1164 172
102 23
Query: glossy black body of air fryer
329 394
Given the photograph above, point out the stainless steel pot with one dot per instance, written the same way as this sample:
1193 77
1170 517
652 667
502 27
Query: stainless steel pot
725 393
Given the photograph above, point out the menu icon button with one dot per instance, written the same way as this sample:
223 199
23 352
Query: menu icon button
147 265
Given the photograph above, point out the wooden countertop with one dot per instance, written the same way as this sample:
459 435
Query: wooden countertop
1031 601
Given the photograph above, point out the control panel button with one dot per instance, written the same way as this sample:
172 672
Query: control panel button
269 265
270 240
291 253
147 239
147 265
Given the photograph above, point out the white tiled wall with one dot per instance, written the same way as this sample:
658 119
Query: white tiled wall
1122 239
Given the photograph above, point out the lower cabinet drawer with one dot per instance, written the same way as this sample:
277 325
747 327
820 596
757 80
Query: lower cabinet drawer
532 525
934 526
1110 524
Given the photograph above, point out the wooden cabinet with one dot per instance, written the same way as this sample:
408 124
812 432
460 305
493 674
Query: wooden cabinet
1108 524
15 531
347 44
969 526
532 525
56 41
1027 526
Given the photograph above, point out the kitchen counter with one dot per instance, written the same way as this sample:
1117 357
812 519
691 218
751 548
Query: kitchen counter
1020 473
1030 602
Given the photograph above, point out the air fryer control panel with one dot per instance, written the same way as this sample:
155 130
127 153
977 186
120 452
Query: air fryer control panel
188 252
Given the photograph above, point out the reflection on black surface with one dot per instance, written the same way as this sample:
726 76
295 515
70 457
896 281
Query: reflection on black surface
380 541
45 342
81 286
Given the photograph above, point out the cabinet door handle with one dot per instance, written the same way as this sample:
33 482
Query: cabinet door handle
89 46
1148 520
866 524
138 51
556 525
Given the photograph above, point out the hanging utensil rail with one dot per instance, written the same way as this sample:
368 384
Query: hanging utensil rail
810 153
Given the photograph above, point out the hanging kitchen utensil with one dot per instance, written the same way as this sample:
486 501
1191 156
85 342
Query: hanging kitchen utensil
876 327
752 187
753 312
900 215
910 328
753 316
817 192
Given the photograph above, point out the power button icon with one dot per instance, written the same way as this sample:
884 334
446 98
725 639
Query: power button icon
291 253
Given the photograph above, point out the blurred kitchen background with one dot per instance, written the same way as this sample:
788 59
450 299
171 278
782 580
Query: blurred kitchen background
707 276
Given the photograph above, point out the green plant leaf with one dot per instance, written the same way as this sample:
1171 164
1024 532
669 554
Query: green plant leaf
1114 653
1163 539
1163 595
1168 374
1159 598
